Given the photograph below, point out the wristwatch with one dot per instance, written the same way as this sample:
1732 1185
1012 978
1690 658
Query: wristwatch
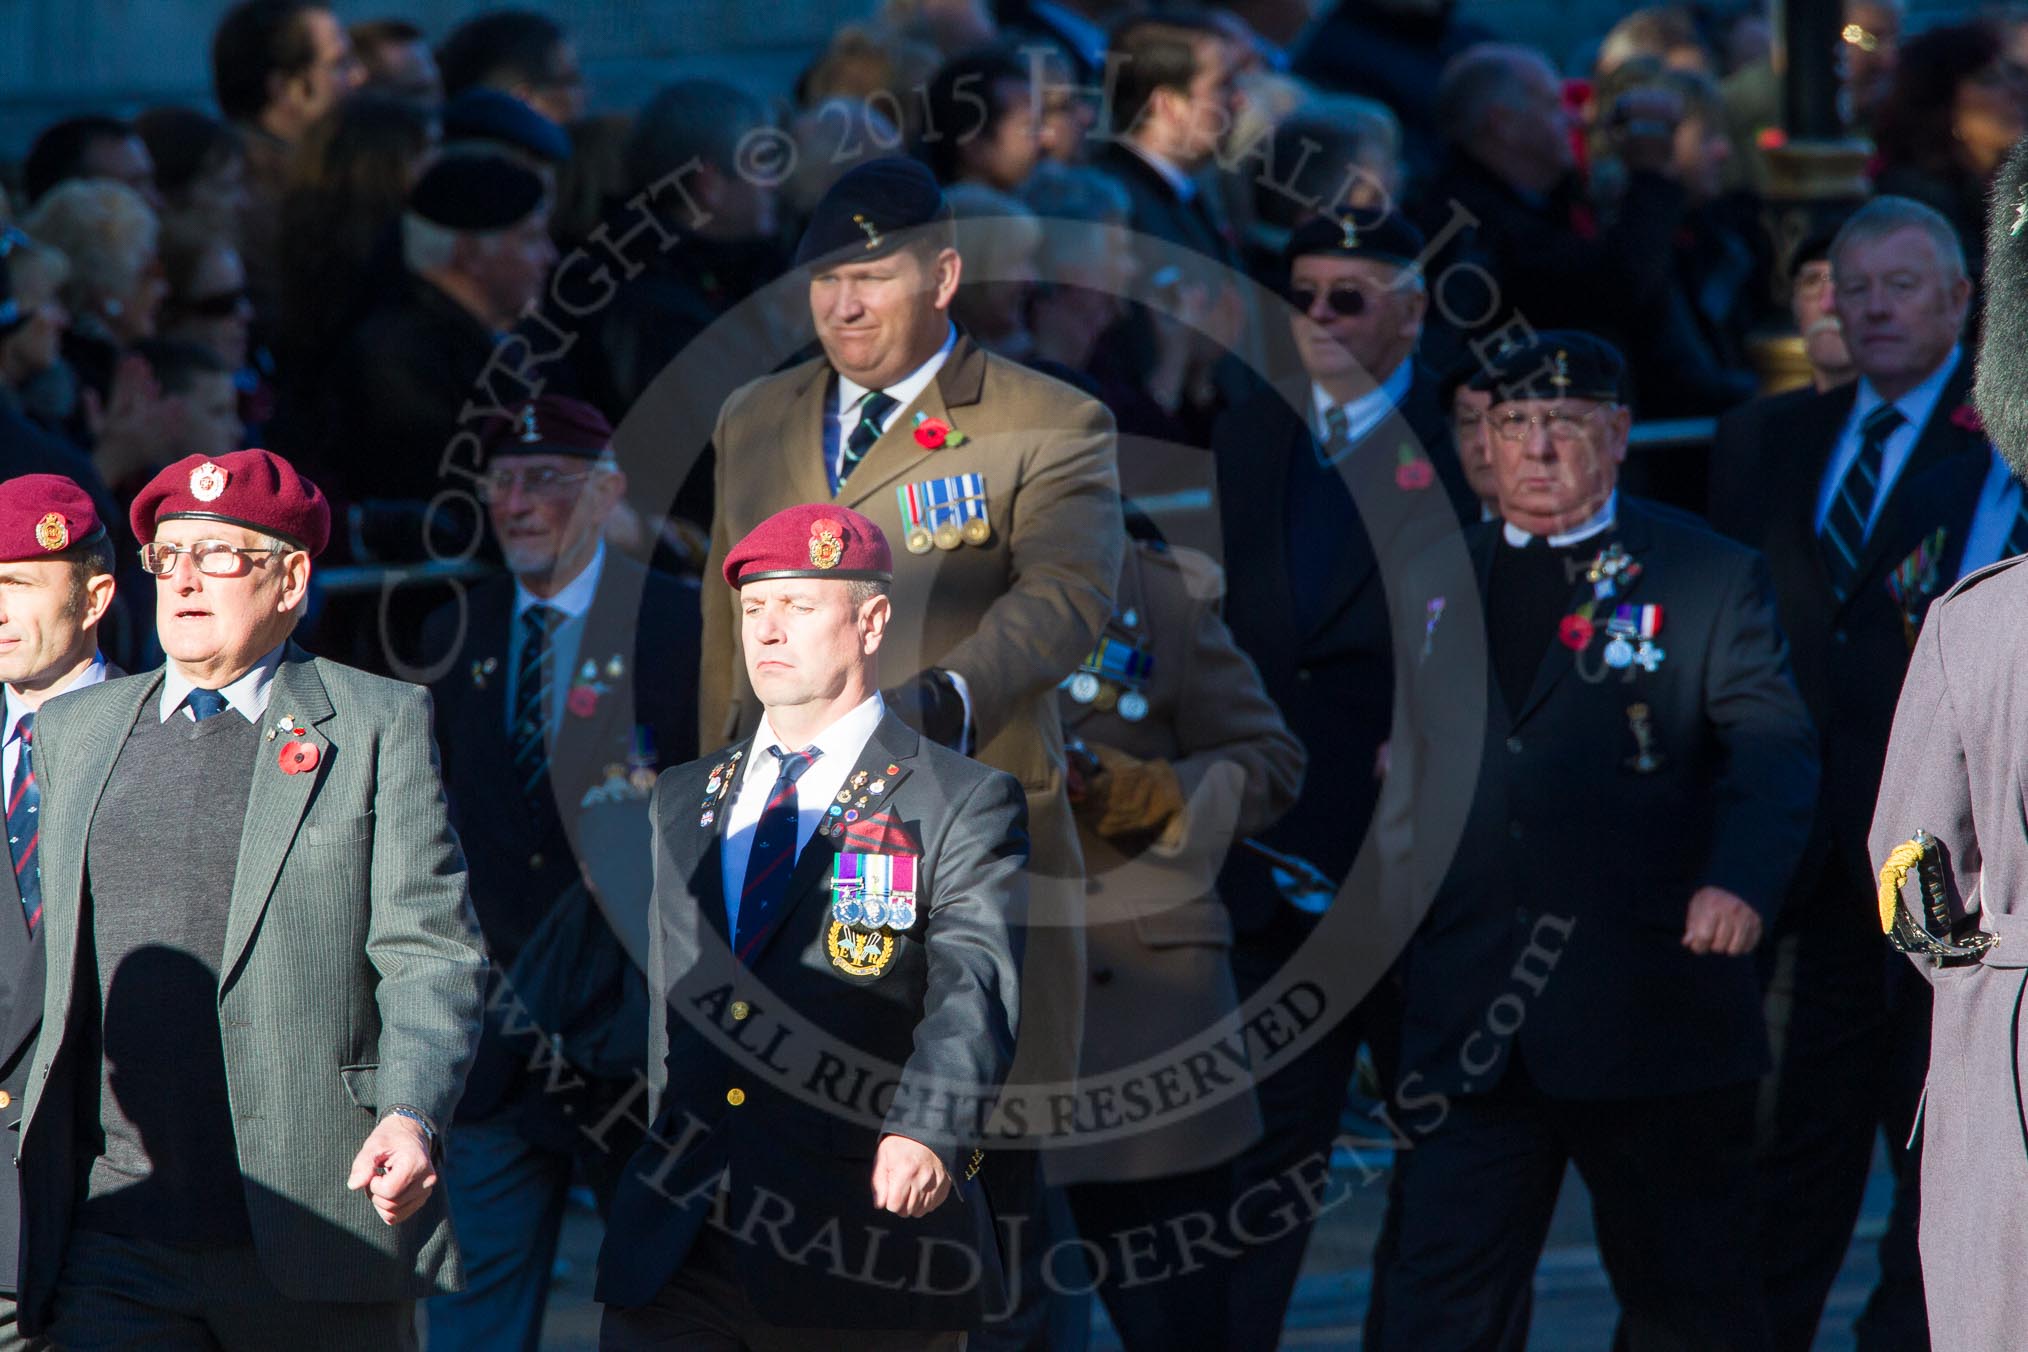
415 1115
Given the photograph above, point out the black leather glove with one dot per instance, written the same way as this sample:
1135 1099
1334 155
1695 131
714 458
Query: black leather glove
930 704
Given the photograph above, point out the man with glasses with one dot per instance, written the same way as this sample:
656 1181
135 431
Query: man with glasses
56 587
263 977
565 687
1580 990
1348 466
1869 500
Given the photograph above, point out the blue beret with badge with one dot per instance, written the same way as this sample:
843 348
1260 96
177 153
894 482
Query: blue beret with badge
872 211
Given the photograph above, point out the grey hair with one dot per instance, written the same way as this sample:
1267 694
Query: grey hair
860 590
429 247
1884 216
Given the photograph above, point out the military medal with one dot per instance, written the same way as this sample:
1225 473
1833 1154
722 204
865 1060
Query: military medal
978 530
918 540
944 513
1133 706
1646 759
1084 687
1619 653
948 536
1113 675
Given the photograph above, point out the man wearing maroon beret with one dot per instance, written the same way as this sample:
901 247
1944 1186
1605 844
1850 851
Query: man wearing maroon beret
565 688
263 976
837 906
56 586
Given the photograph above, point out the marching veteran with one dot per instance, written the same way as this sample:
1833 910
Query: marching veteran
56 587
1579 990
834 907
1953 882
263 973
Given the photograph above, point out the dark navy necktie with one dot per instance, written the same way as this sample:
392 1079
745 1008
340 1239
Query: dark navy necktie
204 703
1845 527
24 830
873 411
532 698
773 856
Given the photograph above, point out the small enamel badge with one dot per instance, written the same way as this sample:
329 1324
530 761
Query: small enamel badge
207 481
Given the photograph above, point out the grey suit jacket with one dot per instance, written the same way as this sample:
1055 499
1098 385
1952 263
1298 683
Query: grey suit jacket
1957 768
350 979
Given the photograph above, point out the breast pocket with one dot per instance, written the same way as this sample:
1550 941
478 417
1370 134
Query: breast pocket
343 831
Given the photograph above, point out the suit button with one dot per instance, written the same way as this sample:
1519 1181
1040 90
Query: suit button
740 1009
1514 745
735 1096
535 861
1514 829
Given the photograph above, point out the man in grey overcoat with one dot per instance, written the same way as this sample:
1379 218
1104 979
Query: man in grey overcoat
263 971
1951 847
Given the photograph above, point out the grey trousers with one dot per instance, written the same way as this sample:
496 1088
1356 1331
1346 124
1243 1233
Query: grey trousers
119 1294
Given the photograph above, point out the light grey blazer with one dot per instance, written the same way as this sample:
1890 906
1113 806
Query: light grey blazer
1957 768
350 979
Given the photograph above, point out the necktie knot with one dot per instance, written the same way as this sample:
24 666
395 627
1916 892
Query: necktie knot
1881 423
794 763
204 703
1336 424
541 621
876 406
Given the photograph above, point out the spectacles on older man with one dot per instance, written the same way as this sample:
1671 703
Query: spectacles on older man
1566 427
214 558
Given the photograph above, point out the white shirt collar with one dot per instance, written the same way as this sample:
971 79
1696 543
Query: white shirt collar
1600 521
91 675
905 390
840 742
248 694
1918 403
1363 414
1184 186
575 598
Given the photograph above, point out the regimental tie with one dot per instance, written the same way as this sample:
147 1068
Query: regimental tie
1337 434
773 856
873 410
532 698
1844 533
24 830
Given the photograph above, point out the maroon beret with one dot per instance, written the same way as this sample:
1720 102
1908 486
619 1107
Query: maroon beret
43 514
255 489
817 539
551 425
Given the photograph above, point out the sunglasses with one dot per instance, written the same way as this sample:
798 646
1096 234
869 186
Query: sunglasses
1345 301
223 305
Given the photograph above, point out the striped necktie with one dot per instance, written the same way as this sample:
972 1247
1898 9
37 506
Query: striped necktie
873 411
773 856
1844 533
24 831
539 624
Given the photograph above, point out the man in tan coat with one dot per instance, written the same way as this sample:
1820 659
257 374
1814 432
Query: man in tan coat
1001 483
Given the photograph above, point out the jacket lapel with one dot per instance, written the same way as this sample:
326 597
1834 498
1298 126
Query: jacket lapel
1630 531
1936 443
800 434
892 744
277 801
895 455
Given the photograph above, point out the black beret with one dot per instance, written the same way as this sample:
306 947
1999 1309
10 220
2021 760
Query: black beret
869 211
2000 390
1555 364
482 114
476 192
1390 238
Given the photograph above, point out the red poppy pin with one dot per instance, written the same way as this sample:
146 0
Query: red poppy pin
582 701
933 434
1412 472
297 757
1574 632
1967 417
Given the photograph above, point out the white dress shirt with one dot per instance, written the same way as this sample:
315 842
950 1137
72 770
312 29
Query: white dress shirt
840 745
11 756
248 694
1366 412
1916 407
845 413
1599 521
1992 520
